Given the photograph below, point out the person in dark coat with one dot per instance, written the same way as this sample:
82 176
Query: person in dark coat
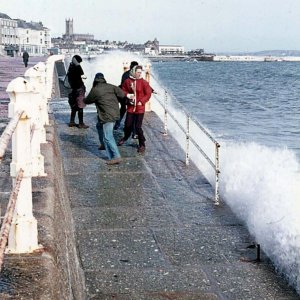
25 58
139 92
106 98
77 94
123 103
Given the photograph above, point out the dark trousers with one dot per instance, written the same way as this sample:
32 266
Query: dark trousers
73 115
134 121
122 111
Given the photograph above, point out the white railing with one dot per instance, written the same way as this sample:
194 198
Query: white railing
28 110
186 130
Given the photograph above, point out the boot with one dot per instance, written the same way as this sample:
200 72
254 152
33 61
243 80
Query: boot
83 126
141 149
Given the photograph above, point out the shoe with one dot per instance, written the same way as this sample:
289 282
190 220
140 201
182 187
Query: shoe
121 142
114 161
101 147
141 149
135 136
72 124
83 126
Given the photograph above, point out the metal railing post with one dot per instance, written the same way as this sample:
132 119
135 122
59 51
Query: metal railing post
166 114
147 78
217 170
215 165
187 140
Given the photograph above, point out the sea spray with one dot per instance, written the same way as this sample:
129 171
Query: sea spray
261 185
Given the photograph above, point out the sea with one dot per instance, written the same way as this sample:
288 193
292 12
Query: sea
252 109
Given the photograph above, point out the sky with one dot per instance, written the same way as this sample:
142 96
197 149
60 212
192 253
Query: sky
215 25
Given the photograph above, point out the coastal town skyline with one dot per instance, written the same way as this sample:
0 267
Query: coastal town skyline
208 24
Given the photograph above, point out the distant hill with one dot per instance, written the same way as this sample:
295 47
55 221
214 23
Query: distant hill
266 53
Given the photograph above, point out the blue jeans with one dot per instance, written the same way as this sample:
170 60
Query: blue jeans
105 130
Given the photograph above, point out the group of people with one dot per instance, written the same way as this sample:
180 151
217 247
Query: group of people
112 102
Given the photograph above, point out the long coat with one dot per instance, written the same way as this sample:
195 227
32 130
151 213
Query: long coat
74 76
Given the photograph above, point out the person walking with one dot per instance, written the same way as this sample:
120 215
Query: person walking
106 98
77 94
25 58
123 103
138 91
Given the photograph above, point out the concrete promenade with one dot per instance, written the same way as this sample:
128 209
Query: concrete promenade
146 229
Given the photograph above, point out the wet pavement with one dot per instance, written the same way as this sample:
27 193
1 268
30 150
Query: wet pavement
146 229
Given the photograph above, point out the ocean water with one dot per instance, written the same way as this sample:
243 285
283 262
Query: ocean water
253 110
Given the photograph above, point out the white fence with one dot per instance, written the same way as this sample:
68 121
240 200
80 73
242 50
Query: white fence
28 110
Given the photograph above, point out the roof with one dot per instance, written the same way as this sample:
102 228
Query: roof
4 16
31 25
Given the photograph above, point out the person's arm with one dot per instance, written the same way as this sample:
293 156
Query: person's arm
91 97
119 93
147 91
127 88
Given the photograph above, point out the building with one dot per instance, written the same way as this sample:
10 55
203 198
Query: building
153 48
18 35
70 35
9 40
33 37
171 50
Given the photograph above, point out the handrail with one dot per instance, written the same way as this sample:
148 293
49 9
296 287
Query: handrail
8 132
6 224
215 165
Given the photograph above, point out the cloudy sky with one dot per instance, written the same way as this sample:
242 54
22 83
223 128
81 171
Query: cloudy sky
215 25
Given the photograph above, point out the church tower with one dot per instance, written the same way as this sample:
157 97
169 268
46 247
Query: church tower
69 27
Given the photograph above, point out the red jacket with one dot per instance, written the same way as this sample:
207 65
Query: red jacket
142 91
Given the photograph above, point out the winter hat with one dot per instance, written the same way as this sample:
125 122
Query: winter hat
99 75
133 64
78 58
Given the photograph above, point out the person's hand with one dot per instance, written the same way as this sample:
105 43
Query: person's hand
130 102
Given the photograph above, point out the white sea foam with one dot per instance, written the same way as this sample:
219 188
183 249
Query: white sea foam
261 185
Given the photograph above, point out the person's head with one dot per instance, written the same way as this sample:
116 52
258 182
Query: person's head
137 72
76 59
98 77
133 64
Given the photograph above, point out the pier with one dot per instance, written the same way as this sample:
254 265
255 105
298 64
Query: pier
145 229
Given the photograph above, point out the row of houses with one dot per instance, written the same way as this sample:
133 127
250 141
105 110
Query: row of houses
18 35
72 42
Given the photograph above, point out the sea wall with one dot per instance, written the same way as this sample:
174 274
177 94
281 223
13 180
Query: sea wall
57 229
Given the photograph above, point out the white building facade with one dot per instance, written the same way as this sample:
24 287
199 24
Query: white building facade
17 36
170 49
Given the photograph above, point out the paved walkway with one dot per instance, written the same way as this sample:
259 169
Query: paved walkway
148 229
